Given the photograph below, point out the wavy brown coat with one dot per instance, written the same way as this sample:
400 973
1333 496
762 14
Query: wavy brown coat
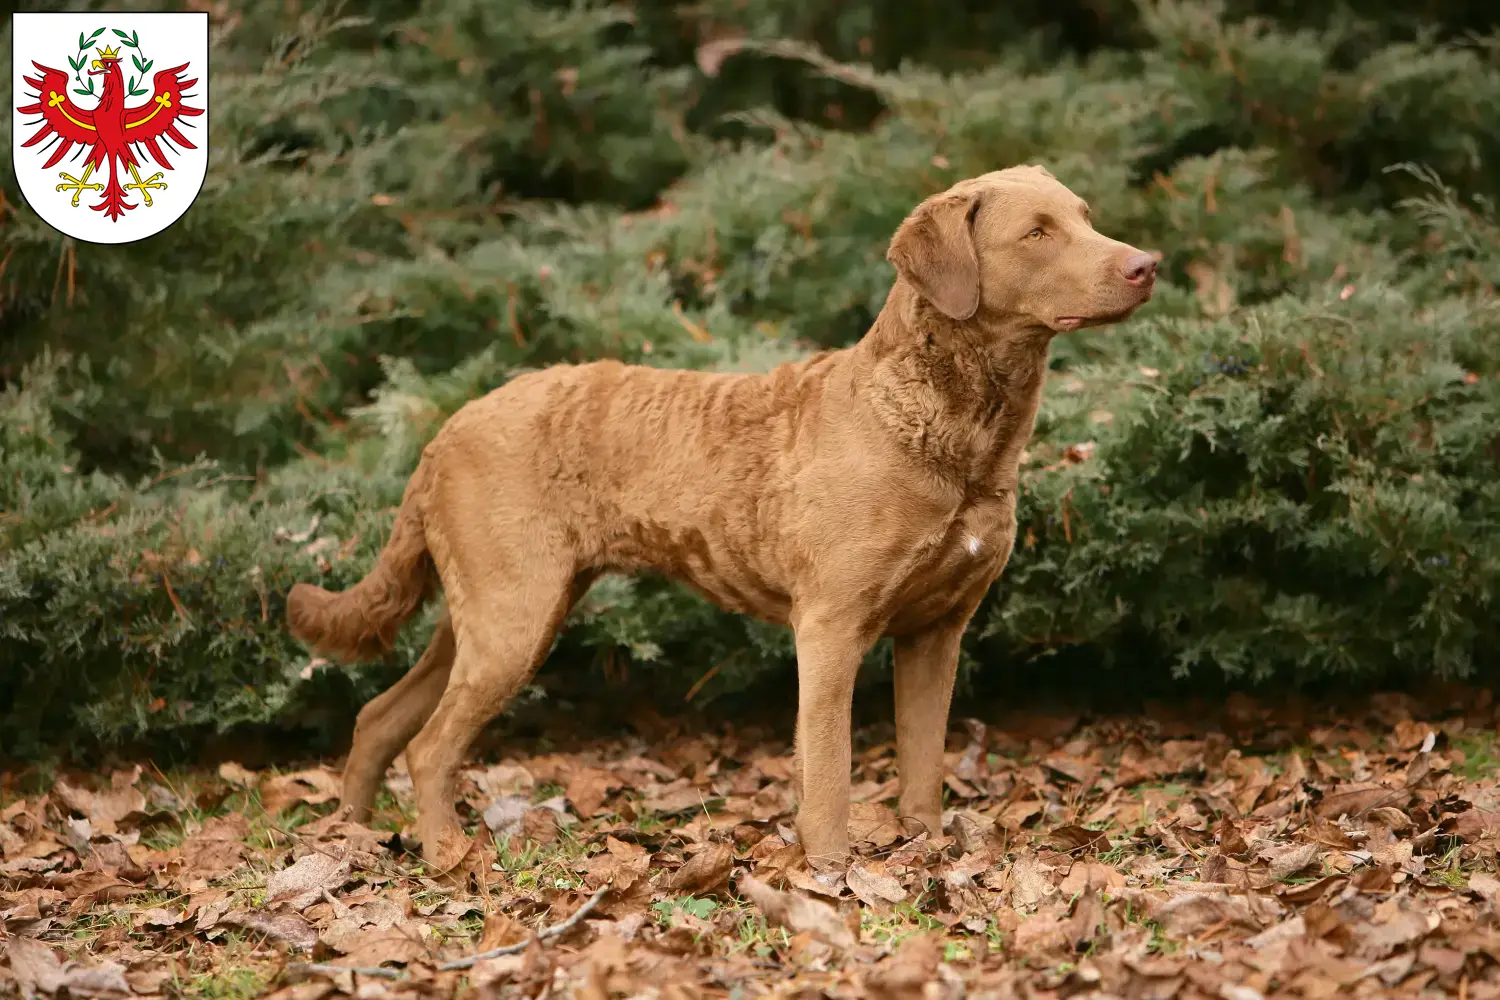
859 493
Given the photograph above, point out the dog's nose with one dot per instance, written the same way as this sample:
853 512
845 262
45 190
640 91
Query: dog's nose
1140 269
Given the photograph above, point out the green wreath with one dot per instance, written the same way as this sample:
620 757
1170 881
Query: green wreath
132 40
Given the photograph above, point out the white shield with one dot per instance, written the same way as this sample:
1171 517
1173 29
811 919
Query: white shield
110 120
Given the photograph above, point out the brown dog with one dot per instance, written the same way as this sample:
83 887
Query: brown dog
864 492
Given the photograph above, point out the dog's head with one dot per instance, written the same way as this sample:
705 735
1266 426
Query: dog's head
1018 244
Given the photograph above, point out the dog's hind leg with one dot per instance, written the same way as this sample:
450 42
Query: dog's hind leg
389 721
504 628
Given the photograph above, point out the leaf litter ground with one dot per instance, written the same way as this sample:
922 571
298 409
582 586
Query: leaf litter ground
1255 851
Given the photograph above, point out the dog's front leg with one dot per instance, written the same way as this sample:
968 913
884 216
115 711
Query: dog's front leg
829 651
925 666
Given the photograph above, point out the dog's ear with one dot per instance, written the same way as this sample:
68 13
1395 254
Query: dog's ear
934 250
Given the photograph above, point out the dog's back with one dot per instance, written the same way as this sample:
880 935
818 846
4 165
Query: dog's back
677 471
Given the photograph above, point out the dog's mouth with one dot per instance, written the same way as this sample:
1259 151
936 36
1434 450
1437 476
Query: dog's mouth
1067 324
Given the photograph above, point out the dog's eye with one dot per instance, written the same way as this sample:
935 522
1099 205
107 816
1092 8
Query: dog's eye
1035 234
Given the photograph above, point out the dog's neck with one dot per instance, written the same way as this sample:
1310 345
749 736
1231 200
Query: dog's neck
963 395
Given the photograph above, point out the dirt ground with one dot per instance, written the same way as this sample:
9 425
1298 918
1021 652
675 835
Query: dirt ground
1248 851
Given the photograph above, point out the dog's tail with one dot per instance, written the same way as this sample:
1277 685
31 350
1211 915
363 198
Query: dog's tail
361 623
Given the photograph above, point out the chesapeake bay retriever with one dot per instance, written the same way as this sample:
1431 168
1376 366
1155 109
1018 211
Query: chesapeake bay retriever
858 493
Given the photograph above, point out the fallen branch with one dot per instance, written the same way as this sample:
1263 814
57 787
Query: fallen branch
460 963
541 935
331 970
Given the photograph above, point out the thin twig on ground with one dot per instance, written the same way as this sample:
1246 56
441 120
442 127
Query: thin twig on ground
358 970
541 935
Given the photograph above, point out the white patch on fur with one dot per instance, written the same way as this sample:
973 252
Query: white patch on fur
974 544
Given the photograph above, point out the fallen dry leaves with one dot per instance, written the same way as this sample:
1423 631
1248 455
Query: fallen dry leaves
1246 853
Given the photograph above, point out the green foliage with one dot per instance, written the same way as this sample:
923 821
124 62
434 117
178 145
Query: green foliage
1308 486
1289 463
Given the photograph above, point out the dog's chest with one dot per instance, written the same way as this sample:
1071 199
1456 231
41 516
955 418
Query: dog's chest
982 532
970 551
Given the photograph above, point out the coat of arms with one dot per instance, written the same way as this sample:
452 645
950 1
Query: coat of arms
114 147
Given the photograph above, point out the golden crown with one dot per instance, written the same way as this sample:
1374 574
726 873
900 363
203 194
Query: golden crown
108 53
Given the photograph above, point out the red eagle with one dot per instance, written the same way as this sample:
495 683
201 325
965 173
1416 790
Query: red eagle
111 129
